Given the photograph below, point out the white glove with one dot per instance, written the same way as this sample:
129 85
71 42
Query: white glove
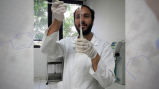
86 47
59 8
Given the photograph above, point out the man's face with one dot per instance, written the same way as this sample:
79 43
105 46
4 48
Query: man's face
86 20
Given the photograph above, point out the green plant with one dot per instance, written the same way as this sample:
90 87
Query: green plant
68 23
40 18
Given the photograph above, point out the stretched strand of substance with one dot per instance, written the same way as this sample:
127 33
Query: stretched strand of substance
57 1
81 34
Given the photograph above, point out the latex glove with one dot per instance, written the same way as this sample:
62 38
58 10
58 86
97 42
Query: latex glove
58 8
86 47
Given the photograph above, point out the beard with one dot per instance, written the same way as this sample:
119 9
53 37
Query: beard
85 32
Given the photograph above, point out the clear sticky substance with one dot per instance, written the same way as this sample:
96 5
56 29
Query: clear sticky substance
81 33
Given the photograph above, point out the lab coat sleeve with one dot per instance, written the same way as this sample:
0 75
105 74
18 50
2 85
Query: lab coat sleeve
51 47
105 70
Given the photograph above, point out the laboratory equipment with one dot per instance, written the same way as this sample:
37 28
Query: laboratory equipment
119 56
56 76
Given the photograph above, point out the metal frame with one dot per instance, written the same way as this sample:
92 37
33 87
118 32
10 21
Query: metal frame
51 77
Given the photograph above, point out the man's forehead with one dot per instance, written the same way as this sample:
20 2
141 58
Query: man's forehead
84 10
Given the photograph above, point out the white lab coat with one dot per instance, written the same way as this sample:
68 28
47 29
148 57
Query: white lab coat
78 72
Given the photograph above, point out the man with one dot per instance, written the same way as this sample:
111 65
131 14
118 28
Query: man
88 62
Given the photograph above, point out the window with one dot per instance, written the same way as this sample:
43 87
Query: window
63 32
69 29
43 19
40 20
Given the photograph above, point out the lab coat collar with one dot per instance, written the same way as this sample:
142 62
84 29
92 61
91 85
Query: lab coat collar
94 39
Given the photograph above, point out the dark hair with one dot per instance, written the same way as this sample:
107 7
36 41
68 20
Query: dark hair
91 10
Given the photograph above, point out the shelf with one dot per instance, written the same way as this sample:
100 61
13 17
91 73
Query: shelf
54 62
54 76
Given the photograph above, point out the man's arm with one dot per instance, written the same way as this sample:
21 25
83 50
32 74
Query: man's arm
54 27
50 46
95 62
49 41
103 67
58 9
